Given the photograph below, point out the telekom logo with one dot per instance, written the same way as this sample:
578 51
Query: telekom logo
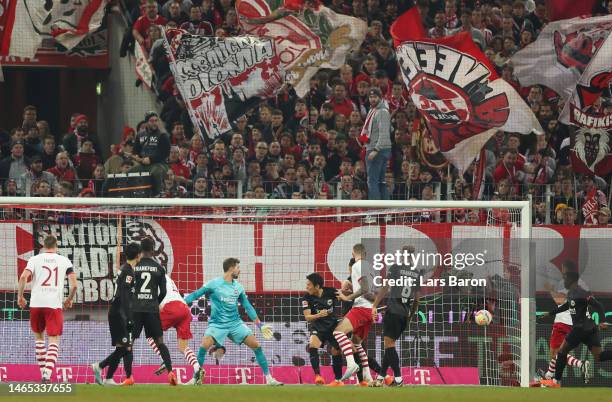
181 374
243 375
3 373
64 374
421 376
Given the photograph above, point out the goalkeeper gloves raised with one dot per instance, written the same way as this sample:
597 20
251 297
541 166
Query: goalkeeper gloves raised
266 330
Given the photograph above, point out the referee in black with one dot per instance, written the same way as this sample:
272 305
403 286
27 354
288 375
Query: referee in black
150 291
120 320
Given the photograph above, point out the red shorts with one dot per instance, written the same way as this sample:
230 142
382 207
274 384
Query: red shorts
361 320
49 319
177 315
559 332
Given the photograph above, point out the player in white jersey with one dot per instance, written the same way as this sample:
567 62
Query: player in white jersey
562 326
175 313
48 270
359 318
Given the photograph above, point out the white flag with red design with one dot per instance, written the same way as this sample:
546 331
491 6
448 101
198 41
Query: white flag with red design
457 90
574 58
24 24
221 78
308 35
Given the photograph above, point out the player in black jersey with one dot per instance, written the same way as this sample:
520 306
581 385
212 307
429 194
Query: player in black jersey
318 307
120 320
401 289
584 330
150 286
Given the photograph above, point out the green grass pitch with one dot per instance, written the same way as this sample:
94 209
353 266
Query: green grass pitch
307 393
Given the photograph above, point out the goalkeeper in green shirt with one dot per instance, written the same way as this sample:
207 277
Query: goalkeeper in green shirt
224 294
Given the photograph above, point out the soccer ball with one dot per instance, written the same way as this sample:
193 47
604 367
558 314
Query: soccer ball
483 317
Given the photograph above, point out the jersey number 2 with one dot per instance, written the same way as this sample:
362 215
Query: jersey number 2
144 288
51 272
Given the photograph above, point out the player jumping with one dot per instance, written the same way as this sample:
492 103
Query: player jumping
224 294
584 329
121 322
318 309
48 271
358 320
402 304
561 327
175 313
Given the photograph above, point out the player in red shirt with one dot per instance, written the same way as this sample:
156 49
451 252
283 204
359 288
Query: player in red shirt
48 271
358 320
175 313
150 17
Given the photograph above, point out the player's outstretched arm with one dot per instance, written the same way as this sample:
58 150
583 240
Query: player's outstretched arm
203 291
557 310
599 309
364 289
382 293
72 281
23 279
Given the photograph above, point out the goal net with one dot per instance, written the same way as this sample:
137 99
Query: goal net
279 244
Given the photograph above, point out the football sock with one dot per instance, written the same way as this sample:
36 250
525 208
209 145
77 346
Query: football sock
314 360
365 366
165 355
201 356
52 353
128 359
337 366
153 346
191 359
41 355
346 346
561 363
261 360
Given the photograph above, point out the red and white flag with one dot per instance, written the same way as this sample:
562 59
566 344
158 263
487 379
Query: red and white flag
308 35
143 69
573 57
457 90
220 79
590 208
24 24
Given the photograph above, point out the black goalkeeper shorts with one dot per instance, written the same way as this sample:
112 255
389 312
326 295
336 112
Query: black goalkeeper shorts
588 336
151 322
394 325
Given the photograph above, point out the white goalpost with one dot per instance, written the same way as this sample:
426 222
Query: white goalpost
279 242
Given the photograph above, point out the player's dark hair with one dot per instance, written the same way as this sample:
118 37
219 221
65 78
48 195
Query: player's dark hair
315 279
50 242
147 244
230 263
132 250
351 262
572 276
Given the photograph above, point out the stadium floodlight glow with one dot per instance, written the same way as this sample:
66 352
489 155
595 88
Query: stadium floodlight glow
279 242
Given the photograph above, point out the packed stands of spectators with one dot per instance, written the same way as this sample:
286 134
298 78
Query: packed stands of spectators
308 148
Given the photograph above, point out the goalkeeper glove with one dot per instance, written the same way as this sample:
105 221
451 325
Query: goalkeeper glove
266 330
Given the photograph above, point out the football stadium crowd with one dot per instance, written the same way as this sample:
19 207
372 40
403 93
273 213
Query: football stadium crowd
308 148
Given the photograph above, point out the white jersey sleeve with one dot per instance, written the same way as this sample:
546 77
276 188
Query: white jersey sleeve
172 293
356 275
49 271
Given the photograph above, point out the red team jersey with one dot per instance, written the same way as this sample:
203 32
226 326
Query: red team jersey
174 312
49 272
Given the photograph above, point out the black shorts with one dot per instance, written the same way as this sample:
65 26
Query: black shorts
326 337
151 322
121 334
394 325
588 336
